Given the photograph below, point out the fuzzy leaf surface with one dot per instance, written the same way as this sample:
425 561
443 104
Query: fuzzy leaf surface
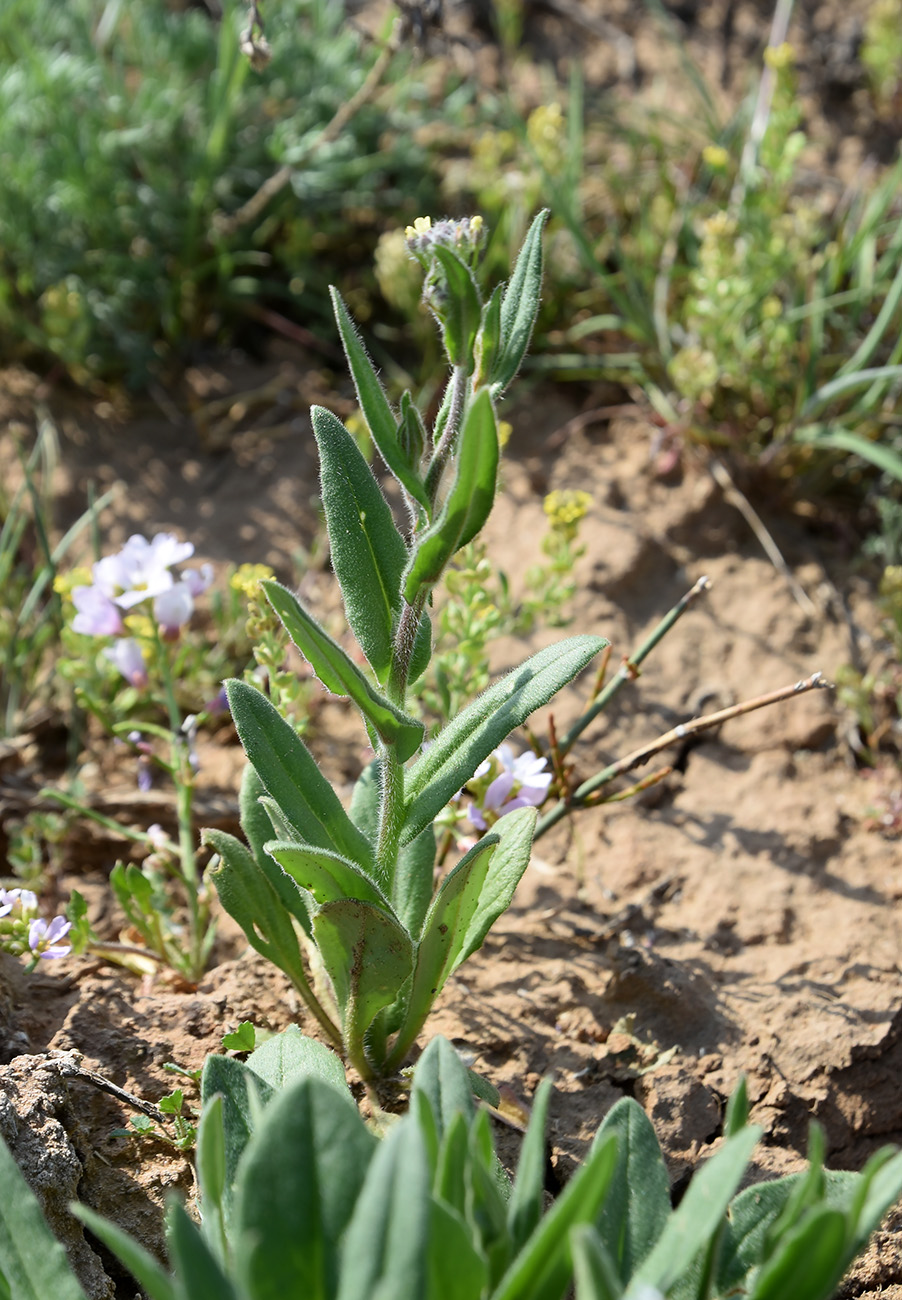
638 1207
519 307
299 1180
250 898
460 747
377 412
291 1055
367 956
340 675
327 876
368 553
385 1252
288 770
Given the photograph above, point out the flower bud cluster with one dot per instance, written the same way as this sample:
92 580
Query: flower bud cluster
464 237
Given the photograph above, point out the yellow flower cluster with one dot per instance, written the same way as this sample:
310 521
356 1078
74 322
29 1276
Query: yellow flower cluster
65 583
247 578
566 508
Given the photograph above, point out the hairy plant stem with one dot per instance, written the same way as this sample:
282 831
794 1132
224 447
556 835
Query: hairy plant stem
448 441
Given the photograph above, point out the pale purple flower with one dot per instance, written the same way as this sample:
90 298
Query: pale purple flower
44 939
18 904
97 615
521 783
172 609
198 580
141 569
126 655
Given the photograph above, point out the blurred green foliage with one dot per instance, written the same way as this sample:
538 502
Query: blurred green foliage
128 131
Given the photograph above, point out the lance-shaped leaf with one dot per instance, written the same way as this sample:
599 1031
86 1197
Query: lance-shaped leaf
33 1264
340 675
367 956
299 1180
368 552
385 1253
467 905
488 340
288 770
460 309
637 1210
446 925
377 412
263 911
519 307
467 504
327 876
458 750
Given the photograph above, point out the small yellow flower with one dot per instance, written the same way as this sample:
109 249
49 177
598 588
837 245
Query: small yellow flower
247 578
716 157
505 429
421 226
566 508
65 583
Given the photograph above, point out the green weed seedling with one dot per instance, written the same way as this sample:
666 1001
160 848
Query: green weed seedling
298 1197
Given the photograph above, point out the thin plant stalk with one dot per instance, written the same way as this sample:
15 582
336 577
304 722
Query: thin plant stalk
677 734
629 669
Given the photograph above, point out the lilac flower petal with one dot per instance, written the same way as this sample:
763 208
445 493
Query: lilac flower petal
198 582
127 657
476 818
97 615
43 939
173 608
498 791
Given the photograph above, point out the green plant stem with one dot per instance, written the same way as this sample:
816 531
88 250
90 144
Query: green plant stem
183 778
629 669
448 440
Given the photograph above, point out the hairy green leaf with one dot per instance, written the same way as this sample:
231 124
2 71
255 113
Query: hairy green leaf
32 1261
367 956
638 1206
194 1264
524 1209
288 770
386 1250
374 404
248 894
242 1094
299 1180
327 876
291 1055
699 1214
519 307
368 552
458 750
339 674
542 1269
461 309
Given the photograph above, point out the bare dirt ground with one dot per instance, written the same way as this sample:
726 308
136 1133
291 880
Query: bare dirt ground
737 918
